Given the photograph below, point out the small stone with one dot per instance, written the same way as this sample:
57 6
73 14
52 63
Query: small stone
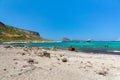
58 59
15 59
50 69
61 55
19 73
64 60
16 62
30 61
104 73
23 53
81 61
46 54
5 69
11 75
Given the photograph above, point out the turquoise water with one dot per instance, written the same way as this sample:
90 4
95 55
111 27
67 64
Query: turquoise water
109 46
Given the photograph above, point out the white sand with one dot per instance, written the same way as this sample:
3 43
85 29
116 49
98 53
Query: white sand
80 66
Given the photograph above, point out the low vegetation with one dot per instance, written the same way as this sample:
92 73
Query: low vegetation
9 33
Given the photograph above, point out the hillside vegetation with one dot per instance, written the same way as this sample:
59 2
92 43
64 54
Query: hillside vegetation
10 33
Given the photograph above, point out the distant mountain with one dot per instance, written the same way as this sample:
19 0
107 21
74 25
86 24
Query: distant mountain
10 33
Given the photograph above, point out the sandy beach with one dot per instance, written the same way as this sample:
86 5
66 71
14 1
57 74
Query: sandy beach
25 63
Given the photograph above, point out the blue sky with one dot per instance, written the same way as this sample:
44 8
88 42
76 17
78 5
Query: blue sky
55 19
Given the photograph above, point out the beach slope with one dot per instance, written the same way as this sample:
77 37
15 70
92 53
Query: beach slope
25 63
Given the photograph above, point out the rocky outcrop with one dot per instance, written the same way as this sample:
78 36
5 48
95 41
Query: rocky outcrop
30 32
2 24
33 33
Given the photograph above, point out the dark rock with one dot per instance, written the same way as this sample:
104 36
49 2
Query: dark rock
104 73
58 59
71 49
23 53
46 54
16 62
34 33
81 62
11 75
50 69
30 61
64 60
15 59
5 69
19 73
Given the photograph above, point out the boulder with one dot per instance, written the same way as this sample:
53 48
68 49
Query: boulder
71 49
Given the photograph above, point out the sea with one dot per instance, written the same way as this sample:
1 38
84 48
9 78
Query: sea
108 47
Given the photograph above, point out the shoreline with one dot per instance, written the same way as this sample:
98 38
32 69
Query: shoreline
31 63
94 51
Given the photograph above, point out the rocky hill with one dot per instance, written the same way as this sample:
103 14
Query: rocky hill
10 33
